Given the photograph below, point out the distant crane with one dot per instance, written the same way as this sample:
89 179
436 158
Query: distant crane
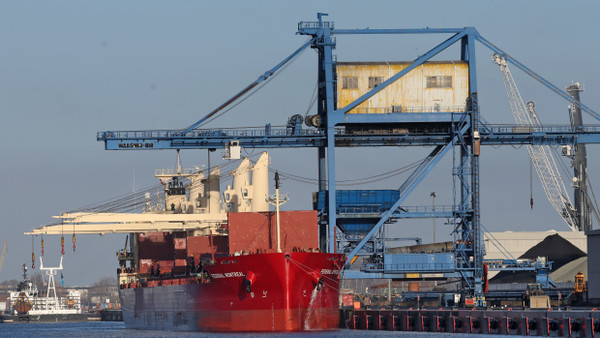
583 204
2 254
541 155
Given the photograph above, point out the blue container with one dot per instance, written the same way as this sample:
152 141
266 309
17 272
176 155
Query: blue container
359 203
420 262
356 225
376 200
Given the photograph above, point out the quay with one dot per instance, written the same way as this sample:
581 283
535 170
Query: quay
549 323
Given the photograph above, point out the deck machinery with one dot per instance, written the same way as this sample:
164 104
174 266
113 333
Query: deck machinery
460 132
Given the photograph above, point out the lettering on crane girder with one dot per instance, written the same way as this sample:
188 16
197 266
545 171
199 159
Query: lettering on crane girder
135 145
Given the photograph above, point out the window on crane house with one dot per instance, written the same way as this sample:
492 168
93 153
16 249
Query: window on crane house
350 82
374 81
439 82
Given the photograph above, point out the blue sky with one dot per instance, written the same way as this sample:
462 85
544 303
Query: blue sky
73 68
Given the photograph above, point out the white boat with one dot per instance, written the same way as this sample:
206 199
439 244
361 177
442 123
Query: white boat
28 301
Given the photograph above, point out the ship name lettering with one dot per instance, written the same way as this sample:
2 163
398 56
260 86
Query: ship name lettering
329 272
234 274
217 275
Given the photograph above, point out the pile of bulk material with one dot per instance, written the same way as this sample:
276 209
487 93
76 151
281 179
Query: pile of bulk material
557 250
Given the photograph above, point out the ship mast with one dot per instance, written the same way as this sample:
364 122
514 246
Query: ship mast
50 272
277 202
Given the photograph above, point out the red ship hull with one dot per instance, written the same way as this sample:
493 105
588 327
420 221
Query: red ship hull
291 291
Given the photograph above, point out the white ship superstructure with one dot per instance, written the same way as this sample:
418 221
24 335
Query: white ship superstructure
27 300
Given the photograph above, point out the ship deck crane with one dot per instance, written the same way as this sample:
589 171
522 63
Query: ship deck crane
125 223
463 132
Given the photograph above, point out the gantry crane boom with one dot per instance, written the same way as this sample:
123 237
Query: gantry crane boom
541 156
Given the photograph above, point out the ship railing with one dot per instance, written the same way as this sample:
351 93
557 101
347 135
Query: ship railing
173 172
315 24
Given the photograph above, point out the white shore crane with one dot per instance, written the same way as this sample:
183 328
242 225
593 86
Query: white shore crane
541 155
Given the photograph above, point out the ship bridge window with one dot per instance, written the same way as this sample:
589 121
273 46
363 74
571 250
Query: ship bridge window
175 187
439 82
374 81
349 82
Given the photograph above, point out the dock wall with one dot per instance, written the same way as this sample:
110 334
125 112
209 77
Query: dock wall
564 323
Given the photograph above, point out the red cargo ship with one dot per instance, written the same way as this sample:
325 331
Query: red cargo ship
253 289
261 292
199 259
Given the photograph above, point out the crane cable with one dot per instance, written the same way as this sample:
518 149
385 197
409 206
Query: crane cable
353 182
565 170
32 254
531 183
313 99
133 201
595 204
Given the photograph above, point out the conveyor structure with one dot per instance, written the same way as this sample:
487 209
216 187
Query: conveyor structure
459 133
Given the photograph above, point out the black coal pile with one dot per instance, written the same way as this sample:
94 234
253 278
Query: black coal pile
557 250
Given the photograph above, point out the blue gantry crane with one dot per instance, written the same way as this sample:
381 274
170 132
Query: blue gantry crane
355 226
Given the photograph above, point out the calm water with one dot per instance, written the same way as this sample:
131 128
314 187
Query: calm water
117 329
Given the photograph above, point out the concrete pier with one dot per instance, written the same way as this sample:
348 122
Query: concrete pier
555 323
